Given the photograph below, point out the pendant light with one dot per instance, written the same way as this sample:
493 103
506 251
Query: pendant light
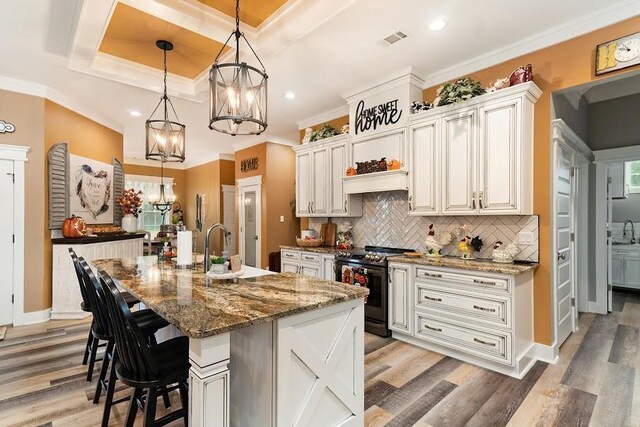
162 202
165 137
238 92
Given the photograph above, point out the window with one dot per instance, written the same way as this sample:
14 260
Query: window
150 219
632 178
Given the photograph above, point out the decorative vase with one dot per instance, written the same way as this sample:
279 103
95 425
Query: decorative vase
129 223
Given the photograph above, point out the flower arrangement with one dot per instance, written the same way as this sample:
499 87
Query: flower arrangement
326 131
131 202
458 91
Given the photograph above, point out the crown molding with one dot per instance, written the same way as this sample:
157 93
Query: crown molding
341 111
575 28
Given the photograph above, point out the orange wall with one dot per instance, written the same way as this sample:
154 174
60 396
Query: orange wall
27 114
85 138
178 175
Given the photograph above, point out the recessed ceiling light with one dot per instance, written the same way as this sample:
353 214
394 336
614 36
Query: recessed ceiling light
289 95
135 113
437 25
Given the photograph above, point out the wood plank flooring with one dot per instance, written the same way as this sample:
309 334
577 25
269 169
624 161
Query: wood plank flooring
594 383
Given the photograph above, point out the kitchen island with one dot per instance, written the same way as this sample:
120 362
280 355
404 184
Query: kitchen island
278 349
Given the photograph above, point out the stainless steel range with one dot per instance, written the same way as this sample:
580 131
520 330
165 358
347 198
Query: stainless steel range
368 267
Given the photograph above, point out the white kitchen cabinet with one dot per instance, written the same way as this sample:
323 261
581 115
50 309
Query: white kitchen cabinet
289 267
484 151
312 264
618 187
320 167
328 267
424 179
400 299
625 267
458 150
478 317
632 271
617 270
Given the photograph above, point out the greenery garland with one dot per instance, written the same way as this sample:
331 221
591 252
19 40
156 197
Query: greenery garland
458 91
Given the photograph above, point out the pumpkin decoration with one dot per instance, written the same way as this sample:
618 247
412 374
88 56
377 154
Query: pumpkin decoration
351 171
394 165
74 227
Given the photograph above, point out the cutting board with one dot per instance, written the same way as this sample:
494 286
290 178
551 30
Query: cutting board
328 233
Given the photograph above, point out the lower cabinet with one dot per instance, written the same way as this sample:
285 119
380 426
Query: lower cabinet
625 268
310 264
481 318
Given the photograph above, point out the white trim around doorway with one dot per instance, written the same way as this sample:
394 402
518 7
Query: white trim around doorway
252 183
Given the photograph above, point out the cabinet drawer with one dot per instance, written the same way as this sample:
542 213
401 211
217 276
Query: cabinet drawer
292 255
493 345
310 257
471 280
492 309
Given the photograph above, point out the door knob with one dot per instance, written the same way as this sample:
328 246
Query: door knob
562 256
255 237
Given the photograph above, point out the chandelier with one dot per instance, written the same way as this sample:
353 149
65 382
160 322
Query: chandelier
165 137
238 92
162 202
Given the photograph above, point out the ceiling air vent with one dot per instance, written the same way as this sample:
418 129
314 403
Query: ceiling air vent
395 37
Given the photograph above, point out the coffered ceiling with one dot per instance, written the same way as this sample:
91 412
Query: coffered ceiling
99 58
131 35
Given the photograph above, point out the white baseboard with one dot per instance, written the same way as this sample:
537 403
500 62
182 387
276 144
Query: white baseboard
36 317
545 353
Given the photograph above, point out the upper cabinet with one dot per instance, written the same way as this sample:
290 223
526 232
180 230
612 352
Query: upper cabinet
484 149
319 187
618 188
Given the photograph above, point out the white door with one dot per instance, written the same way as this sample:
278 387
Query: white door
338 165
400 299
6 242
310 271
328 268
288 267
632 271
319 183
458 159
498 161
303 184
423 173
565 312
610 195
250 221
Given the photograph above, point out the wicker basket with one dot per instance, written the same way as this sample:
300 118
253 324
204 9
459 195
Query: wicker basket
309 243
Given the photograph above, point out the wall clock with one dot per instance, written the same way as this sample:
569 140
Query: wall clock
618 54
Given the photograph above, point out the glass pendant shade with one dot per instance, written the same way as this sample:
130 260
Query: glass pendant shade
238 92
165 135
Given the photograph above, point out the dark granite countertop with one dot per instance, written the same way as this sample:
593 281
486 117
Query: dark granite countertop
97 239
200 307
483 265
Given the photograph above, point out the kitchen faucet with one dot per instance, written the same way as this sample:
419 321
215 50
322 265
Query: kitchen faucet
633 231
226 233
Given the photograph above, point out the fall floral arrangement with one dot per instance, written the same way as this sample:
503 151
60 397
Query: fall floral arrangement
131 201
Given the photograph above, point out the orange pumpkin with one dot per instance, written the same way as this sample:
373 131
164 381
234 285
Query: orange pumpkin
351 171
74 227
394 165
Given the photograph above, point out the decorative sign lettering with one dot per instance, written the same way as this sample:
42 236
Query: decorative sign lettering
383 114
249 164
6 127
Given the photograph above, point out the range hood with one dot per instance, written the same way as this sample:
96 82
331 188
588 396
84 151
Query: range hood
378 118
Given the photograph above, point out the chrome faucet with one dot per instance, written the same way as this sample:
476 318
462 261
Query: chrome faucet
226 233
633 231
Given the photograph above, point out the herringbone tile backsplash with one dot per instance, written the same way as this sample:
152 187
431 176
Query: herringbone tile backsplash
386 222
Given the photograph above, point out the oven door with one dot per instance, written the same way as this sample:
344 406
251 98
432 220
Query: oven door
374 278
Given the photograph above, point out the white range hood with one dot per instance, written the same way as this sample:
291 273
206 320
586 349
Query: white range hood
378 118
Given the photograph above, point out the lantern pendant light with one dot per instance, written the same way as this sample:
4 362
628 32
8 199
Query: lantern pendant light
162 203
165 135
238 92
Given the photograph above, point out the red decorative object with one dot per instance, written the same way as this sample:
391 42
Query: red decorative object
521 75
74 227
131 201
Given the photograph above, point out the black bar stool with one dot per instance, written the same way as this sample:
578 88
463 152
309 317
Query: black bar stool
91 349
145 367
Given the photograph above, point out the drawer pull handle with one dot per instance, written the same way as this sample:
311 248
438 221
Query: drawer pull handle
309 258
432 328
492 344
477 307
484 282
431 298
435 276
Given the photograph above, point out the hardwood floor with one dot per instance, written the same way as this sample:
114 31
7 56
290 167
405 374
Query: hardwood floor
594 383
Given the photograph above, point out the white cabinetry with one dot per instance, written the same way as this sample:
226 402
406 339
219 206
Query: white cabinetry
484 148
478 317
618 187
625 268
310 264
320 167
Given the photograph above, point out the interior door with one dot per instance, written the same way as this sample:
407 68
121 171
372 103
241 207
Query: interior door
564 274
250 226
458 150
6 242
